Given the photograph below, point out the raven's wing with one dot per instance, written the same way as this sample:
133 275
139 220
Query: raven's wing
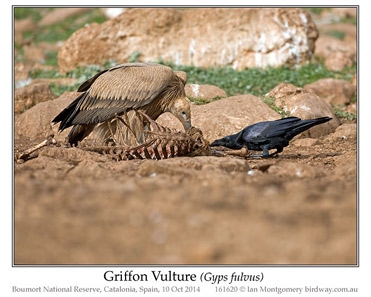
112 91
261 132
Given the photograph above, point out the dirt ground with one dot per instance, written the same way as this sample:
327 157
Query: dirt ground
79 207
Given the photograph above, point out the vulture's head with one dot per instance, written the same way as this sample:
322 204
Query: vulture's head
181 109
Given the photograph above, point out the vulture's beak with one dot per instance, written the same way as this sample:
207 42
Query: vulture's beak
187 125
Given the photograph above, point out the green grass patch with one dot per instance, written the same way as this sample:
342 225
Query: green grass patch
270 102
349 20
51 58
337 110
316 10
35 13
59 89
63 30
258 81
201 101
337 34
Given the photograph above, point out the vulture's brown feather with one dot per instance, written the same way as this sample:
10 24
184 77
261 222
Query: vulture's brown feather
151 88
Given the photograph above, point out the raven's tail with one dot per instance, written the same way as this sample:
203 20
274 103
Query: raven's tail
304 125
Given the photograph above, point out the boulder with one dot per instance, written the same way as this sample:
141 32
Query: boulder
206 92
24 25
27 97
327 45
33 53
245 37
333 91
300 103
60 14
337 61
225 116
36 122
345 131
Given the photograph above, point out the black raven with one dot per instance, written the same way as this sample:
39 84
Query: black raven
268 135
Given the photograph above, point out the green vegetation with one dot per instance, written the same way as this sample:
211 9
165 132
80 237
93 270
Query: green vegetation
258 81
30 12
343 114
61 31
51 58
349 20
200 101
317 10
270 102
337 34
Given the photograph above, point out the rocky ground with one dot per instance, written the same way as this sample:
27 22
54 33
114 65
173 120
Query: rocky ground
78 207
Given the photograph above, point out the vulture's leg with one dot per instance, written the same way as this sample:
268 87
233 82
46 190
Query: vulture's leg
126 123
111 131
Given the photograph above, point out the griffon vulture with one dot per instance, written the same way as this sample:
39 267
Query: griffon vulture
146 87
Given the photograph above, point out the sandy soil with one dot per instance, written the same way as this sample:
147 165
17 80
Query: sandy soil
79 207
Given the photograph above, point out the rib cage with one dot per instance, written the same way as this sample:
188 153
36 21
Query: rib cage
160 143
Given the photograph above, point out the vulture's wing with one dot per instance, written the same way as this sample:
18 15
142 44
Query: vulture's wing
115 90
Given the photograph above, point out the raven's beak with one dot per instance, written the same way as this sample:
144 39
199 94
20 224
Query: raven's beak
219 142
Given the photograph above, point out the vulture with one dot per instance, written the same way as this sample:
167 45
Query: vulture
146 87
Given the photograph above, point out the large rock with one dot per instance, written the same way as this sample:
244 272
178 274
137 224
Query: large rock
36 122
225 116
345 131
337 61
333 91
338 53
327 45
206 92
300 103
27 97
245 37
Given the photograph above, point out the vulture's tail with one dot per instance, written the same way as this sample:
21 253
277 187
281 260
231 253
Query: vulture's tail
67 114
79 132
